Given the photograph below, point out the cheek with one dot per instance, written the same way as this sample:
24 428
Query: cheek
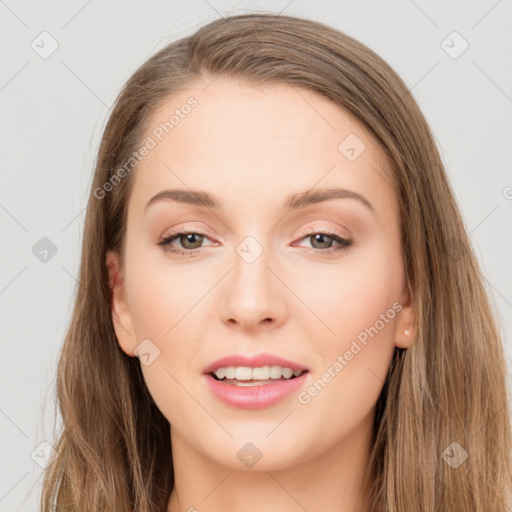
357 303
344 388
351 296
161 293
164 300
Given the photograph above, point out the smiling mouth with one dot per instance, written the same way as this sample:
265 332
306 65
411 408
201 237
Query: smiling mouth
245 376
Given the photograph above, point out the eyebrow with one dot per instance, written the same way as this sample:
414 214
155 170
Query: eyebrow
294 201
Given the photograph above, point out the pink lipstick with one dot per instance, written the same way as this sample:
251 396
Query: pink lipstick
254 382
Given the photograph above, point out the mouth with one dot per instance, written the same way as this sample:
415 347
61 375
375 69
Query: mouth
253 383
246 376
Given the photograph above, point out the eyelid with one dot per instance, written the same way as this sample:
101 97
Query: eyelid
185 229
329 227
179 232
344 243
303 232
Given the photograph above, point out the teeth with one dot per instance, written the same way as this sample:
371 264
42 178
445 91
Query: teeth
276 372
260 373
243 373
287 373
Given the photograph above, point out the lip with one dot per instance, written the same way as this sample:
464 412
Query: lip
259 396
255 361
254 397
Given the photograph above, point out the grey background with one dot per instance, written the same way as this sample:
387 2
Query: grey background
53 111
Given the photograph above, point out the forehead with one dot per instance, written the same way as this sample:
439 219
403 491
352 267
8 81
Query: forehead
238 140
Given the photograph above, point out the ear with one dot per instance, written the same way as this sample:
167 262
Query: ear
406 325
121 316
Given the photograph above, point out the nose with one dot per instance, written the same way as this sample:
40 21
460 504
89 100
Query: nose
253 295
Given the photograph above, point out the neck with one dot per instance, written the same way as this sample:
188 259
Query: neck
330 481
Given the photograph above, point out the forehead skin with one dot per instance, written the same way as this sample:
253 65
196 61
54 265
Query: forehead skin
254 145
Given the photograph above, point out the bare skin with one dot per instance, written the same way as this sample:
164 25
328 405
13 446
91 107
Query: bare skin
303 298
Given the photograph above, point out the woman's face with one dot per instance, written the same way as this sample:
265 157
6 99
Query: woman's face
255 278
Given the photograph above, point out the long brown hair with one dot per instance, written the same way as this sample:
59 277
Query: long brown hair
445 396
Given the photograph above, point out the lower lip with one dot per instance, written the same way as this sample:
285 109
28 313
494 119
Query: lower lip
254 397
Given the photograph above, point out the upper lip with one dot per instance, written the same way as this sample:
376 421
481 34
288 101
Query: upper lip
254 361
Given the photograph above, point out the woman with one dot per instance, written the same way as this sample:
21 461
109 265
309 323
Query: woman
278 304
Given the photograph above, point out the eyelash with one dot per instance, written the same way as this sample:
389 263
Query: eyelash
345 244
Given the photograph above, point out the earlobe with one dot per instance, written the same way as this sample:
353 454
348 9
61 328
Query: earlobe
404 338
121 316
405 331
